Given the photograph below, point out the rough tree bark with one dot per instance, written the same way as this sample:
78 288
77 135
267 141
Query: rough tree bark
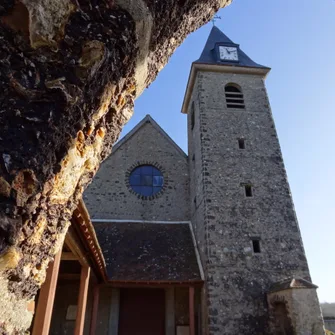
69 73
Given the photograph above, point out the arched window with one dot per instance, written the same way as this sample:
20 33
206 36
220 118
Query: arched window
234 96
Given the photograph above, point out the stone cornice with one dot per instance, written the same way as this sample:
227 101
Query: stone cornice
219 69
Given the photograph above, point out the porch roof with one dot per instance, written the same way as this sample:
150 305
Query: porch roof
292 283
148 252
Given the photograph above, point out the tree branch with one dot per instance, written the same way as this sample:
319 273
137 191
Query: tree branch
69 74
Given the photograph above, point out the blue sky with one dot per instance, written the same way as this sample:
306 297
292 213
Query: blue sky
296 39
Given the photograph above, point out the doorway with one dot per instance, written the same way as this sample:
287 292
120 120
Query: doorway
283 323
142 312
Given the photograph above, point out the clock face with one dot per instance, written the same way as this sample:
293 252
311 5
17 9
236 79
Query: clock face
228 53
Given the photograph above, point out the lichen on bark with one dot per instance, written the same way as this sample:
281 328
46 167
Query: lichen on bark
69 73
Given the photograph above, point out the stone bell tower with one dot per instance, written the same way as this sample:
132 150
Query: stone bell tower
256 272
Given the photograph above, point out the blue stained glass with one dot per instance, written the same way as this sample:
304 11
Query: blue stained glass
157 181
156 172
137 189
146 180
146 169
146 190
135 179
137 171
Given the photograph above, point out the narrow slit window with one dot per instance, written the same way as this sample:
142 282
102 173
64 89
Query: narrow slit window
248 191
193 157
192 116
234 97
241 143
256 245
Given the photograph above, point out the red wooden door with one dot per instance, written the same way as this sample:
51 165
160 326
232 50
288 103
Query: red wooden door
142 312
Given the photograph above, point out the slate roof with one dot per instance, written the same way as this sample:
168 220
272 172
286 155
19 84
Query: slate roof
291 283
148 252
208 55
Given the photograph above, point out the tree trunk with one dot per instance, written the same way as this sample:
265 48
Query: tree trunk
69 73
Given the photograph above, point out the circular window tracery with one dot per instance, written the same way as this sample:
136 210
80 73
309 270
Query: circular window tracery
146 180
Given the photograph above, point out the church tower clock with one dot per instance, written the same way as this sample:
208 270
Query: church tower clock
256 272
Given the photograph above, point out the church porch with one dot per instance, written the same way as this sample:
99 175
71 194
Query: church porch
154 279
149 308
64 303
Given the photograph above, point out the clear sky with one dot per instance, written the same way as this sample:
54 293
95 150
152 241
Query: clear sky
296 38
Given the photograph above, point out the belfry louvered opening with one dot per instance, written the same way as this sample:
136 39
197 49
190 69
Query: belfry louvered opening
234 97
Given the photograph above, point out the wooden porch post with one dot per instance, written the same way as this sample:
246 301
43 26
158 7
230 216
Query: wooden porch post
191 310
46 298
94 314
82 300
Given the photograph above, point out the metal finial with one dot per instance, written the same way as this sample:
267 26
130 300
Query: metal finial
215 18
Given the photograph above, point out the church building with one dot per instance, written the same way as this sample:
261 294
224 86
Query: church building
205 242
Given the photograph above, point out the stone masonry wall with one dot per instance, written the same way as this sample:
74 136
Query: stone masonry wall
196 168
237 278
109 197
312 321
198 204
296 300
